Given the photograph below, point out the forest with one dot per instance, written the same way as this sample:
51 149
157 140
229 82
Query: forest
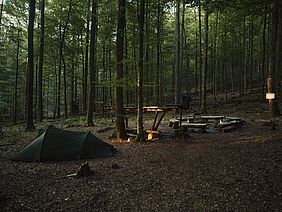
65 58
140 105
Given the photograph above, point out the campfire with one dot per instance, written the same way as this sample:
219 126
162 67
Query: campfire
152 135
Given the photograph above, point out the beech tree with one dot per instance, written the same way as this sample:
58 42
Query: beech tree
140 133
29 115
40 68
92 63
119 112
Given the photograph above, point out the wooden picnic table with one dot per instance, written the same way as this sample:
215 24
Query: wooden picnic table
158 110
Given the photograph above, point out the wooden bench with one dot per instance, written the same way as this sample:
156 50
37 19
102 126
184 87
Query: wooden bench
205 119
175 122
201 126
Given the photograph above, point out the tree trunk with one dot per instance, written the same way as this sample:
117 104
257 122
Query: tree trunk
196 58
110 71
85 80
119 112
159 75
251 54
63 59
177 85
65 86
278 68
90 108
126 70
40 70
147 90
181 50
140 133
275 54
200 50
263 55
72 97
59 72
215 71
245 84
29 115
16 79
205 67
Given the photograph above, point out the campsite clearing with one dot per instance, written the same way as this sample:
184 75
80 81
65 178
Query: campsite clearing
211 171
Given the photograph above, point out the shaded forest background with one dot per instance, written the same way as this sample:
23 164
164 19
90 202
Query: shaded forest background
202 48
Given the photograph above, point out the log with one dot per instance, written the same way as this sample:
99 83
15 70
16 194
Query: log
202 126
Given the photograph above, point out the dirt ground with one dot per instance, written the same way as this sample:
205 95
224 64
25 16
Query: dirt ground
237 171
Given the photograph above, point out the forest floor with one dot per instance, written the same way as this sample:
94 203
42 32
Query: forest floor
237 171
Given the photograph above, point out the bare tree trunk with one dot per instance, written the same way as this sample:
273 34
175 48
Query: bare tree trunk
177 85
205 67
182 46
196 58
59 72
147 90
158 82
251 38
40 70
245 83
65 86
278 68
215 71
263 55
29 115
16 79
200 50
276 12
93 33
85 79
140 133
119 112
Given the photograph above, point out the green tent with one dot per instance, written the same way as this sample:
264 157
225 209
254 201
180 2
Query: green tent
58 145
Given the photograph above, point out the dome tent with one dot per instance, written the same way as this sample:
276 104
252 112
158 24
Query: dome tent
58 145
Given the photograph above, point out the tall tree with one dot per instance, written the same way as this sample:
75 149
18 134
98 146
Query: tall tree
40 68
29 82
200 48
92 63
119 112
63 57
205 65
275 53
140 69
159 70
177 85
85 79
263 53
17 78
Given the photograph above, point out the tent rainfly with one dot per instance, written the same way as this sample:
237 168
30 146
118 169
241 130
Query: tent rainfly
61 145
